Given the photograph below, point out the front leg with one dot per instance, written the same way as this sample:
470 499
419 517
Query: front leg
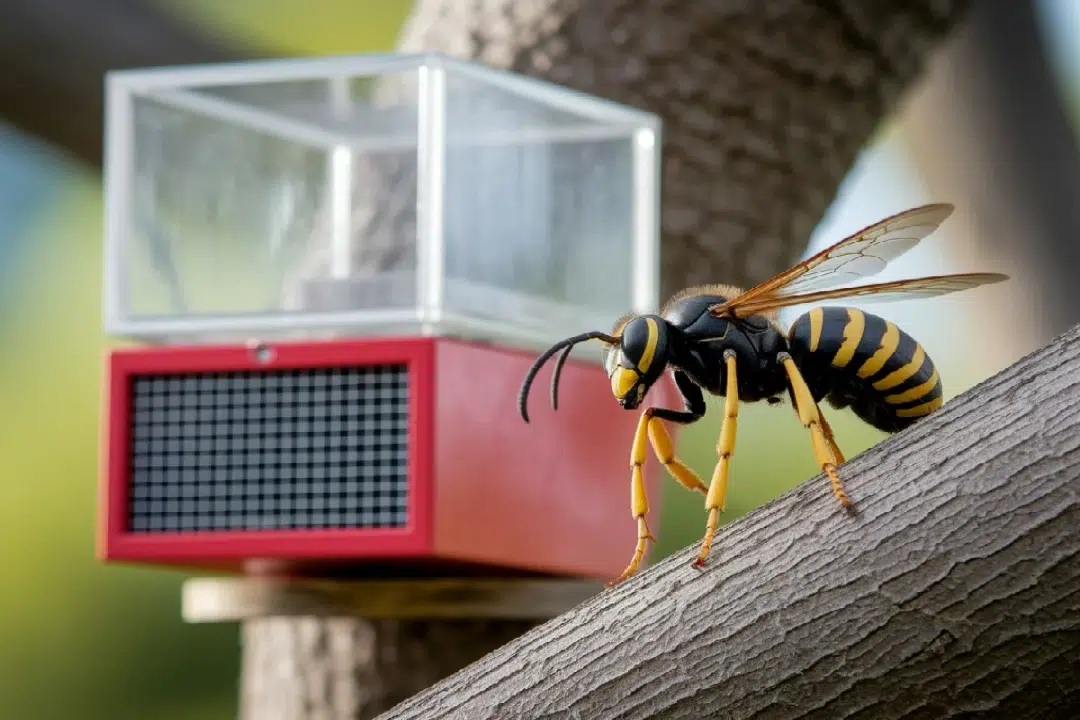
651 426
694 404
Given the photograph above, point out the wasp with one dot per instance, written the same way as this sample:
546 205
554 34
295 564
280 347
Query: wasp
728 342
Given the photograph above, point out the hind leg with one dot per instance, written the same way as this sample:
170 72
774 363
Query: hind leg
830 438
811 418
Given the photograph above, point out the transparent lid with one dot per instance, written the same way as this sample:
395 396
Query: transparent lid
373 194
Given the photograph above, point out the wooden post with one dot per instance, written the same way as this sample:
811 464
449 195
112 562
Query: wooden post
346 667
954 592
346 649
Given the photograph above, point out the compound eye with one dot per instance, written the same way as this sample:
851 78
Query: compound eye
611 360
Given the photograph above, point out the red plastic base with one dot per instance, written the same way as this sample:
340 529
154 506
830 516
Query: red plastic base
488 492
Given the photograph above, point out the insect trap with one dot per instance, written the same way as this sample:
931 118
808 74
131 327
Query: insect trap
329 278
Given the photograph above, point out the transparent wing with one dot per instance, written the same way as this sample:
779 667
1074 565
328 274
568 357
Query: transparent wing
912 288
861 255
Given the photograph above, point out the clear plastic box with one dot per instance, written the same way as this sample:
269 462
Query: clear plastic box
373 194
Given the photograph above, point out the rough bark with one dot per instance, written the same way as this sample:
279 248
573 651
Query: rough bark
55 55
765 107
954 592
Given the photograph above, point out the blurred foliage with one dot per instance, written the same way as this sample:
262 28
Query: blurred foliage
78 640
317 27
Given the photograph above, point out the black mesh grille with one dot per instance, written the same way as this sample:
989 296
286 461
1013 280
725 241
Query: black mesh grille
259 450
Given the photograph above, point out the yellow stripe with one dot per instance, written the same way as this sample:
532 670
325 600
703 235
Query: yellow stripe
650 346
817 319
889 341
623 381
898 376
853 333
914 393
920 410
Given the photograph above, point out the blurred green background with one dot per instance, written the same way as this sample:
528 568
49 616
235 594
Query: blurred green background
79 640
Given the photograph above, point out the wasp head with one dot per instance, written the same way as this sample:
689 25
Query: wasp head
638 359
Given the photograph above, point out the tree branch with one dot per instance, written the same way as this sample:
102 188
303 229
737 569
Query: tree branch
954 591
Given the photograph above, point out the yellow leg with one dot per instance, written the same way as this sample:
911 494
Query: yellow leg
725 446
639 501
665 452
831 438
652 428
811 418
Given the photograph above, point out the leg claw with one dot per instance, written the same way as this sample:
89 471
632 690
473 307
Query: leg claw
643 538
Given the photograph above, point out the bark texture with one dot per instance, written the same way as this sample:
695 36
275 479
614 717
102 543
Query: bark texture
954 592
765 105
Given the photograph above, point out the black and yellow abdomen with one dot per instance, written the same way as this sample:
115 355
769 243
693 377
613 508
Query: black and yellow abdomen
855 359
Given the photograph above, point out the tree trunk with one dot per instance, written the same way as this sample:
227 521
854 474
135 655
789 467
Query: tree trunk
954 592
765 108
